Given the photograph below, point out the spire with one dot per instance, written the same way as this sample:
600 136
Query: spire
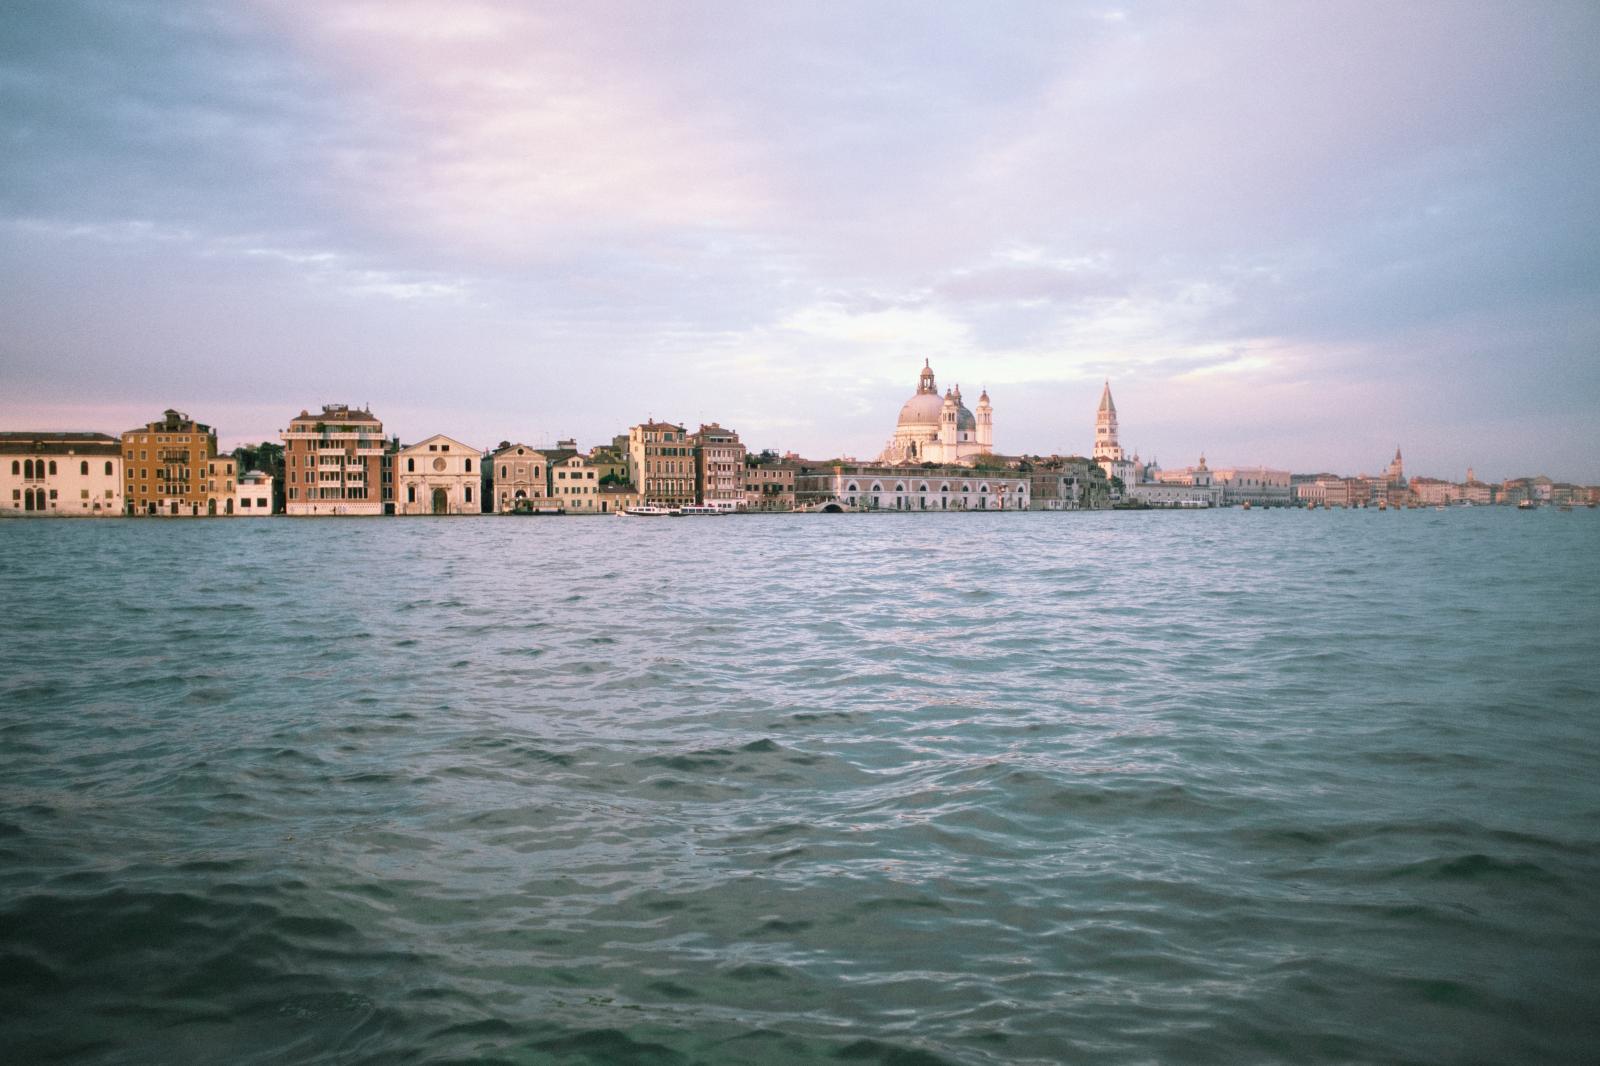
1106 403
925 382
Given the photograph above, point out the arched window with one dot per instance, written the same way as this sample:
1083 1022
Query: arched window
411 466
27 469
52 468
16 468
108 468
83 468
504 472
469 466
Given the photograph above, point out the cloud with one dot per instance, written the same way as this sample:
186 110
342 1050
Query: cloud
1241 214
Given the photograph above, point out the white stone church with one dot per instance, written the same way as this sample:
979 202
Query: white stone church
934 429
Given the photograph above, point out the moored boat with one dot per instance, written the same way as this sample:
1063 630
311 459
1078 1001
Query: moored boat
649 510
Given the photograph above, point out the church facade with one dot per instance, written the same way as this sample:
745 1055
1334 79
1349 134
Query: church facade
940 429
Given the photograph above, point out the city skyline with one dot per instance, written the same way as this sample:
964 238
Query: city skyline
1292 235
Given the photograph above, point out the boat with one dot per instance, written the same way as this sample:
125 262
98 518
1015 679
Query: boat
1527 505
692 510
649 510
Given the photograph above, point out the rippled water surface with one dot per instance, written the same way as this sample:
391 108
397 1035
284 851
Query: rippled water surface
1197 787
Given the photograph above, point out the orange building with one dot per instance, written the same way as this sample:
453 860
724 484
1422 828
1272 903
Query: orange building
171 467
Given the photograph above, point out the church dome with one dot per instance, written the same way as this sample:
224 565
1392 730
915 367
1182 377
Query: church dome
965 419
922 410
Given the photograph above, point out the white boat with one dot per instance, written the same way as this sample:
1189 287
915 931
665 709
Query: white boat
693 509
648 510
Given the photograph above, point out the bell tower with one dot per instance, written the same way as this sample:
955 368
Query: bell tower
985 414
1105 429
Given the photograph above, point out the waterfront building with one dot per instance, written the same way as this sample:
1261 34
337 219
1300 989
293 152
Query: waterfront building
333 462
1107 451
252 498
1432 491
165 467
1311 490
574 482
220 477
1256 485
1066 483
438 475
61 474
1190 486
882 487
521 481
719 467
1476 492
941 430
769 483
617 496
661 463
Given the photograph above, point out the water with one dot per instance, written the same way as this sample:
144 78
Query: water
1191 787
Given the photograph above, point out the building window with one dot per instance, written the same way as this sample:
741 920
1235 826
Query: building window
108 468
52 474
411 494
411 468
469 491
83 468
469 461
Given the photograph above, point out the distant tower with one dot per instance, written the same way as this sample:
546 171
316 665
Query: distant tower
1106 448
1471 477
1396 474
985 423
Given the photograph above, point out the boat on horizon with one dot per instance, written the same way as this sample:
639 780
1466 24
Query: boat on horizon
649 510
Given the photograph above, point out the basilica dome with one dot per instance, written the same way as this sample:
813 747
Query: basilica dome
922 410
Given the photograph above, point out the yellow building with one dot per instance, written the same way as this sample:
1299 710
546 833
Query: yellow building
575 484
168 468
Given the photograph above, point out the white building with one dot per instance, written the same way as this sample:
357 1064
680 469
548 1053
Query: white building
253 496
439 475
1192 486
887 488
60 474
934 429
1258 485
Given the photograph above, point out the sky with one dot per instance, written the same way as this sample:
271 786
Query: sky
1289 234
